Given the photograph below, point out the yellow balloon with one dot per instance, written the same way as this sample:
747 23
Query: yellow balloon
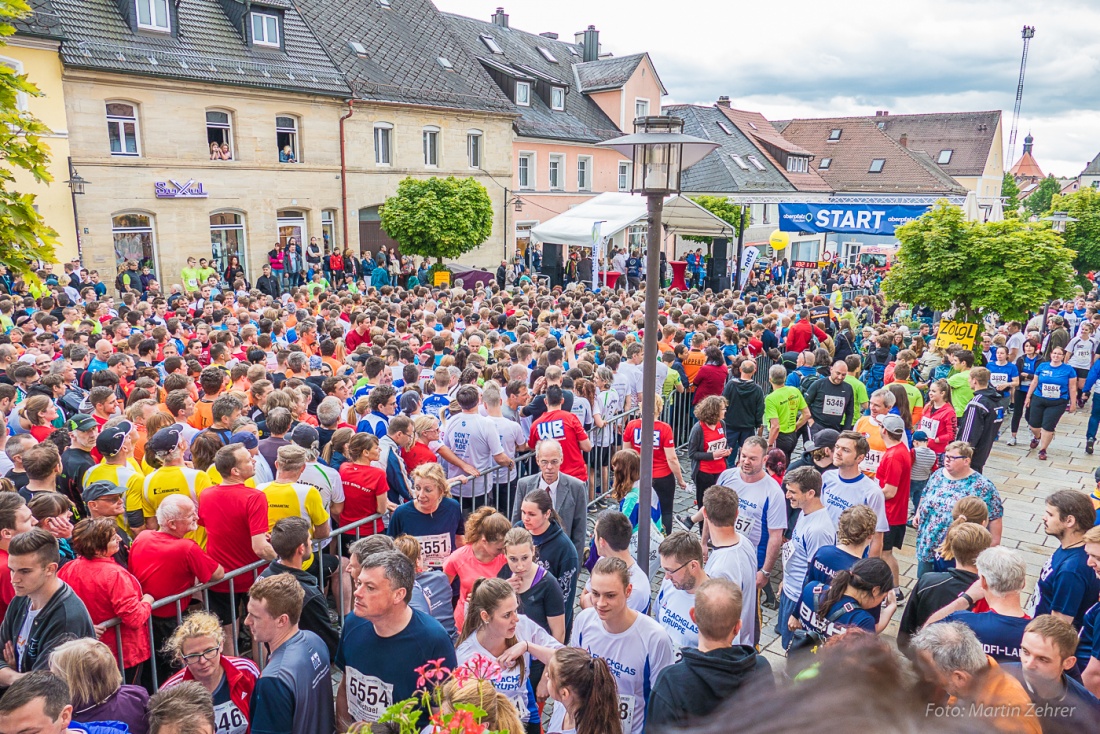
779 240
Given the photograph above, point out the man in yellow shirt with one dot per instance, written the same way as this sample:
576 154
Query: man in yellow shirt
115 444
785 411
168 446
287 498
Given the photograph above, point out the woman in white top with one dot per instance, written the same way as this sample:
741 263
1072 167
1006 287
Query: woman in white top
494 629
584 689
1080 354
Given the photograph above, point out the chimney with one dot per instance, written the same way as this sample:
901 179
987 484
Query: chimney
591 44
724 101
903 141
500 18
550 34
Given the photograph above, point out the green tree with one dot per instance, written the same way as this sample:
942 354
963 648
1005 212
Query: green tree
1082 236
1009 268
1039 201
438 217
1010 192
720 207
25 238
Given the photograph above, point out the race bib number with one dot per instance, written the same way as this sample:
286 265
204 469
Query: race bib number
788 551
833 405
744 524
870 463
434 549
626 712
521 706
228 719
1083 352
1052 392
930 426
716 445
368 696
998 379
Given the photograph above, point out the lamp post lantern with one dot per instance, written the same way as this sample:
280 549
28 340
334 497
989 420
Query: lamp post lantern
1058 221
660 152
76 185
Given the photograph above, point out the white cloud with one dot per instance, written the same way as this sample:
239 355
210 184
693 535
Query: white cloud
806 58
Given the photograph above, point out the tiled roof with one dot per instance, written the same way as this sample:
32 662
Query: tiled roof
968 135
1093 168
609 73
757 127
43 21
1027 167
403 44
582 120
717 172
861 142
208 48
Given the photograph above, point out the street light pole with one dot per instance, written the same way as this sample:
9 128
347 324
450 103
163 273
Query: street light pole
655 205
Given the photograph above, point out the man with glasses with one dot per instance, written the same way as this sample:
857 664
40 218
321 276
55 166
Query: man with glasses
682 561
570 495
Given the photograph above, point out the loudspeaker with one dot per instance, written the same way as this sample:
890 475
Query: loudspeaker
553 266
719 248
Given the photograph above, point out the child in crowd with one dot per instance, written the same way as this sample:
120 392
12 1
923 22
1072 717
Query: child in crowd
924 460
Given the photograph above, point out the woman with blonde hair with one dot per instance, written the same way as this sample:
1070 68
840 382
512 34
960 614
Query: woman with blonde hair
197 645
500 711
425 431
433 517
365 486
482 556
335 452
39 412
95 684
626 467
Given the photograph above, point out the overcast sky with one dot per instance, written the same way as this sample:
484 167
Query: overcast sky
807 58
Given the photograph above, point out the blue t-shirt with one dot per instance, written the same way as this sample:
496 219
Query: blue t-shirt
1067 585
811 620
1051 376
294 693
1000 635
999 375
1087 646
379 671
436 532
827 562
437 405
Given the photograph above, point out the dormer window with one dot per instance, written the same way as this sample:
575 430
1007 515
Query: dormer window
265 29
523 94
557 98
797 164
153 15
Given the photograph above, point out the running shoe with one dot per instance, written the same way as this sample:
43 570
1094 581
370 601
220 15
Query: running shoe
685 522
1034 443
1042 454
1089 444
1011 441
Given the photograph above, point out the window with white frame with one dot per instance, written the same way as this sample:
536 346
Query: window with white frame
16 66
525 170
557 163
219 132
154 15
227 239
636 236
624 175
122 128
431 146
584 173
641 108
557 98
383 134
286 138
797 163
473 148
265 29
523 94
134 239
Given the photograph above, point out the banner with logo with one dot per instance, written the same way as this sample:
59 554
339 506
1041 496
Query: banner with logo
748 260
869 219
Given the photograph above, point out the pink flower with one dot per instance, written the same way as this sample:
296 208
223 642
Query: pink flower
480 667
432 671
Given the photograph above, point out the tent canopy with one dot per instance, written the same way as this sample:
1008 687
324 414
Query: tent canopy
619 211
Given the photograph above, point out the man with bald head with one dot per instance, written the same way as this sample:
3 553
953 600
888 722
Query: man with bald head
103 351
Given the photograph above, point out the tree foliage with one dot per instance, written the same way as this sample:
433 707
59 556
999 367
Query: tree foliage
25 238
438 217
1009 268
1082 236
1010 192
720 207
1039 201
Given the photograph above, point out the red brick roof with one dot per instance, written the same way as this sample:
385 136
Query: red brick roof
756 127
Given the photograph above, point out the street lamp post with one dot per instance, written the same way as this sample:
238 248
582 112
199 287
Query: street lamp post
76 185
1058 222
660 151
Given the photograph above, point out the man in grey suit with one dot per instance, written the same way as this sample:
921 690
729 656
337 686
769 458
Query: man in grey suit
570 495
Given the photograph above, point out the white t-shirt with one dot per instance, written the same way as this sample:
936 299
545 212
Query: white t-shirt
511 438
763 507
327 481
1080 352
738 564
644 648
810 533
839 494
25 632
474 440
608 405
673 612
1016 341
583 410
640 590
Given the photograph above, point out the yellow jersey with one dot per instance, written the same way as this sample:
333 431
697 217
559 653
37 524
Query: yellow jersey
129 476
294 500
170 480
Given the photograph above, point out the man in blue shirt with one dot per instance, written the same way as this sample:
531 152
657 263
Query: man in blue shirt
1067 586
384 641
294 693
1047 652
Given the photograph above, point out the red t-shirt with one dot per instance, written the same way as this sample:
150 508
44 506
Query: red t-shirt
362 486
713 440
166 565
566 429
662 439
352 340
895 468
419 454
7 591
232 514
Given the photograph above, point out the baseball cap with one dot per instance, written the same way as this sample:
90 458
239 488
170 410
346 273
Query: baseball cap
100 489
246 439
410 401
920 436
305 436
892 423
823 439
109 441
81 422
165 439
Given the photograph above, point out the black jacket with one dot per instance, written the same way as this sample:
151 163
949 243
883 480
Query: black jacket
558 555
64 617
74 463
268 285
932 593
746 405
979 423
314 608
701 682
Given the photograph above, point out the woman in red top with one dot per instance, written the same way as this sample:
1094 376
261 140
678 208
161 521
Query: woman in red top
711 377
39 412
365 486
707 445
939 420
425 430
666 466
108 590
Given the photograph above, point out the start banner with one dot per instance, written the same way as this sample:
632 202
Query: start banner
867 219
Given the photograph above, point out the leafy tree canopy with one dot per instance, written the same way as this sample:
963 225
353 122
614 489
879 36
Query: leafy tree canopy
1008 268
1082 236
438 217
25 238
720 207
1010 192
1039 201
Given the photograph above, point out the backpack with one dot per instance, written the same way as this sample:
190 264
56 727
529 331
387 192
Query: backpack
874 376
807 382
805 643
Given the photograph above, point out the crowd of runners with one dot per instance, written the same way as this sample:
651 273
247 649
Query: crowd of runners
241 511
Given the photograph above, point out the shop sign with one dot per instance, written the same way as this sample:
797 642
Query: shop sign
189 189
